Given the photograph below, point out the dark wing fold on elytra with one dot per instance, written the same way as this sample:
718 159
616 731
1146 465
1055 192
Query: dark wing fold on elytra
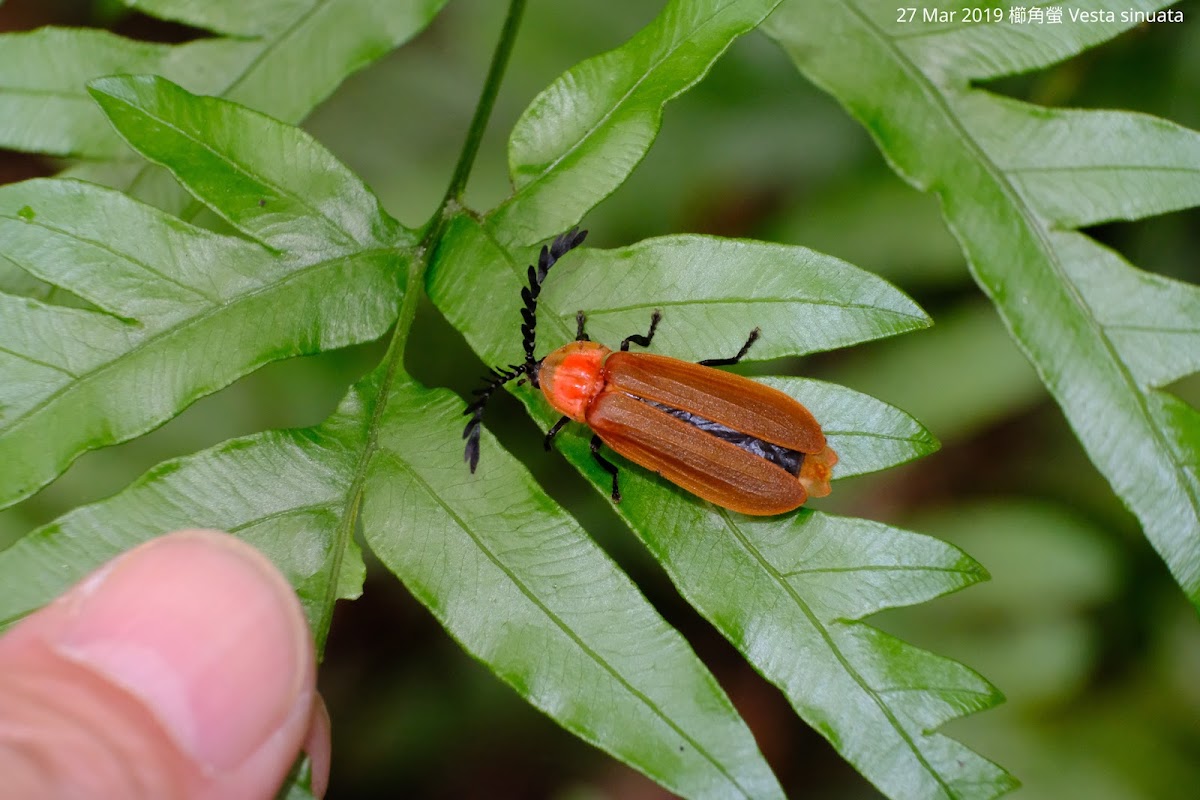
703 464
735 402
790 460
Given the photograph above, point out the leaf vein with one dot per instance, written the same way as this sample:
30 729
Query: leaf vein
273 43
60 94
146 169
880 568
788 589
615 107
887 437
997 173
128 257
718 301
38 361
562 625
1150 328
203 316
1168 168
281 513
347 239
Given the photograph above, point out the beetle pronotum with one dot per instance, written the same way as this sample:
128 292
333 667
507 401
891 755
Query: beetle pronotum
722 437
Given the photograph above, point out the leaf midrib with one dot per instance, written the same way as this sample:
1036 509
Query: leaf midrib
781 581
106 248
1152 328
325 505
59 94
347 239
882 568
189 322
931 91
719 301
587 134
889 437
9 620
275 41
1039 168
268 47
561 625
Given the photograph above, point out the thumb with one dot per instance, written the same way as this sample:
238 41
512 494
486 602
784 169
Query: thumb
183 668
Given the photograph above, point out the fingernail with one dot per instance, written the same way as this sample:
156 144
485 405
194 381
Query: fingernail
205 632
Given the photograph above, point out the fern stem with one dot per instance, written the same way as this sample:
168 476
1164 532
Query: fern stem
392 364
483 109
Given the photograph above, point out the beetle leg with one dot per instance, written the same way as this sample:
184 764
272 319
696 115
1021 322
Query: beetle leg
554 429
608 466
580 321
642 341
725 362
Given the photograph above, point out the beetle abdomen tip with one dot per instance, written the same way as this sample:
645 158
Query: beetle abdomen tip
816 472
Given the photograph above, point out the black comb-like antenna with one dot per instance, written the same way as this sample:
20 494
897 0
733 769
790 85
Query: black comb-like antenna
546 259
498 376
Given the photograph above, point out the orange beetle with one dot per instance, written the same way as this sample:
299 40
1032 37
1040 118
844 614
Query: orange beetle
725 438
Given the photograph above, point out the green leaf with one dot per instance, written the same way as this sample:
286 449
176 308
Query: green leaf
285 492
47 109
711 292
293 196
523 589
965 336
226 16
867 434
1014 179
298 784
287 82
583 135
788 593
179 312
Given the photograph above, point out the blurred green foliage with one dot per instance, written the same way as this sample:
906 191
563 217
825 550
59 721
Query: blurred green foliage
1081 627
